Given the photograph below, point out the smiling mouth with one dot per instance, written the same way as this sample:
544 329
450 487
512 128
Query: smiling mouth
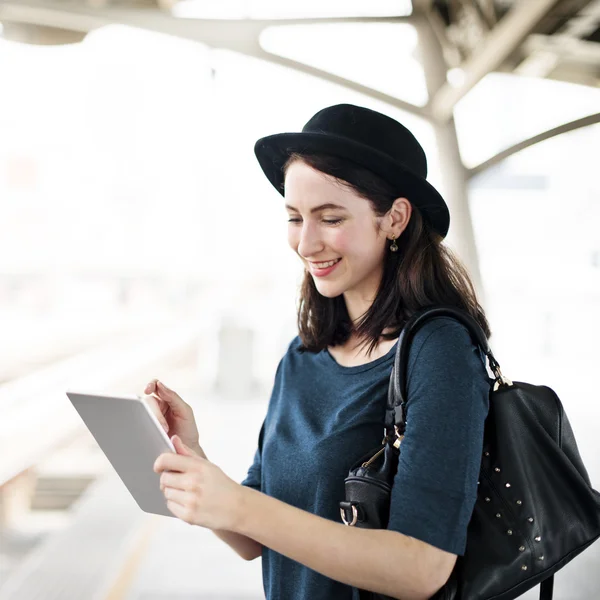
325 262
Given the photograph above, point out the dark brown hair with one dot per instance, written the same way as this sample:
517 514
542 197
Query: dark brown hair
421 273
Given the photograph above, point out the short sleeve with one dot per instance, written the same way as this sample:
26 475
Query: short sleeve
448 386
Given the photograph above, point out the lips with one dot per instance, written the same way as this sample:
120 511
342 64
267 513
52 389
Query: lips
325 271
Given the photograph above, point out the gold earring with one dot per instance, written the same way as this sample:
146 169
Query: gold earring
394 246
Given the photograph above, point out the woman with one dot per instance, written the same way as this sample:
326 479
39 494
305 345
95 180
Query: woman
368 228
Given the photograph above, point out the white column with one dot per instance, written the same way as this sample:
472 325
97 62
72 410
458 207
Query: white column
460 236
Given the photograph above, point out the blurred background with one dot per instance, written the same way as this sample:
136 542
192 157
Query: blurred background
139 237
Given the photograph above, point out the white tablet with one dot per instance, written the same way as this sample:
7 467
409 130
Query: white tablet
132 439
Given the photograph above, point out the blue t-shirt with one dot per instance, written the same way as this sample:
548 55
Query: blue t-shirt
322 417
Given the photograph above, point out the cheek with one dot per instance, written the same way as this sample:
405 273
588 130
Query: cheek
341 242
293 239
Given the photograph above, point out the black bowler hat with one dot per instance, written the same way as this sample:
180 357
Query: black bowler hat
367 138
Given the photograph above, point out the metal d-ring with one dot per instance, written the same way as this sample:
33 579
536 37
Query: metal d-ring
354 516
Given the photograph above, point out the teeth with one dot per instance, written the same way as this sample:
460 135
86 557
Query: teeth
326 264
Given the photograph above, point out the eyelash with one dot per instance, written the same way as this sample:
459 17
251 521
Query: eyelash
335 222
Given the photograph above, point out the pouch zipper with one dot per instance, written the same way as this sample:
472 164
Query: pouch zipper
396 444
366 464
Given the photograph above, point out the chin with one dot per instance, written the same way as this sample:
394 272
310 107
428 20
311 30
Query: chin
329 295
329 291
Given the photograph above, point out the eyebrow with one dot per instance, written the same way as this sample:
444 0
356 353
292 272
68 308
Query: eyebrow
318 208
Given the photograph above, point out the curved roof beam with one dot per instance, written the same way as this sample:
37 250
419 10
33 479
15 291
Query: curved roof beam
536 139
237 35
420 111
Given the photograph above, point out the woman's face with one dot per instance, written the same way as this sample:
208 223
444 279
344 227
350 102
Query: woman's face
349 233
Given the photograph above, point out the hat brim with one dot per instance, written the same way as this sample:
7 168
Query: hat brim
273 151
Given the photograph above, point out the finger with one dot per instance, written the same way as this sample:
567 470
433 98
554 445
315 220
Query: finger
181 448
160 404
178 496
169 461
168 394
151 390
155 407
175 402
160 385
151 387
174 480
178 510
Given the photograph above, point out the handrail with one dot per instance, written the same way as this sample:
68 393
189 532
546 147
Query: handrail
37 415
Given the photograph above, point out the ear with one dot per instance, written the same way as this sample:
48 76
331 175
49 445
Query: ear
400 214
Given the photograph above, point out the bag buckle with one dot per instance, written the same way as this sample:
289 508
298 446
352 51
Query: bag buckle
500 379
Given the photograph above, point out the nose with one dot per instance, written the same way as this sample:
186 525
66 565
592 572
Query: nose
309 243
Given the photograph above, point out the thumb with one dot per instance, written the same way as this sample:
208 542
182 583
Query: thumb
180 447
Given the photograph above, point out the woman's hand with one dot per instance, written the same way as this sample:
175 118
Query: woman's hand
176 416
196 490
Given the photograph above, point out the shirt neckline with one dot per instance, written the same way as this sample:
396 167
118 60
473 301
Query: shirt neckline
359 368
